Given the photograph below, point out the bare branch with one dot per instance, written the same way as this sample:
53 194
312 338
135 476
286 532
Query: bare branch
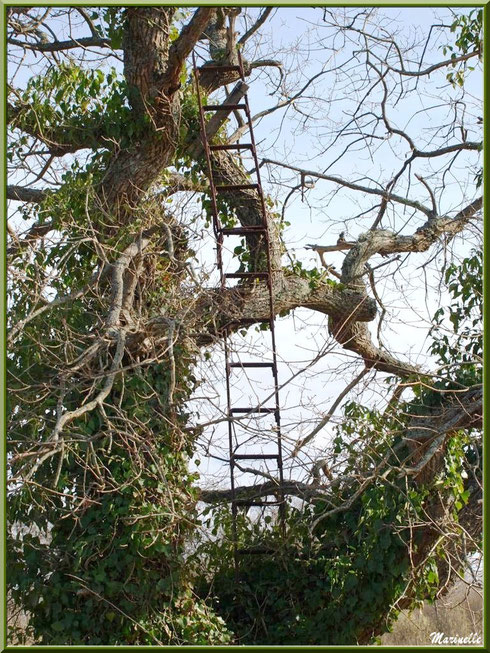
354 186
427 71
58 46
431 193
184 43
258 23
241 130
88 20
325 420
23 194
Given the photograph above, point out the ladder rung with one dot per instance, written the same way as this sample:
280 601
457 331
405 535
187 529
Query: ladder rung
223 107
243 231
255 456
232 146
246 502
247 275
227 68
251 365
227 187
257 409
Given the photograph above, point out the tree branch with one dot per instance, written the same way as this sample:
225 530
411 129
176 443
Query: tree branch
325 420
354 186
258 23
385 242
457 147
280 105
291 488
430 69
347 310
58 46
185 42
23 194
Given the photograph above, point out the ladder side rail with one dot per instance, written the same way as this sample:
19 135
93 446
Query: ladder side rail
219 238
264 218
271 295
207 152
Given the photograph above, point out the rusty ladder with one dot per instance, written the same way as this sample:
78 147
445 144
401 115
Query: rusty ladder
220 233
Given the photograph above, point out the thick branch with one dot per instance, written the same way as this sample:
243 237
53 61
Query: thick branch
58 46
23 194
252 301
185 42
344 324
291 488
386 242
355 336
217 308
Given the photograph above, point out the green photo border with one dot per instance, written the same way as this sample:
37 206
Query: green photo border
187 3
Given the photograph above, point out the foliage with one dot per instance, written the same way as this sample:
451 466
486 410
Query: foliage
76 105
125 542
105 543
345 563
463 348
98 532
314 276
469 31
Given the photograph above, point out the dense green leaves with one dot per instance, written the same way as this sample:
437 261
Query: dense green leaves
457 330
111 565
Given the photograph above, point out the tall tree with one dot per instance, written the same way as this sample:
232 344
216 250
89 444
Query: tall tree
108 319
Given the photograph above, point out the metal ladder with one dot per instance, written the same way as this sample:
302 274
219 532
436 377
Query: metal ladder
220 233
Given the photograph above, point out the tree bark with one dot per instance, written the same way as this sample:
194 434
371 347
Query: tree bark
152 68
